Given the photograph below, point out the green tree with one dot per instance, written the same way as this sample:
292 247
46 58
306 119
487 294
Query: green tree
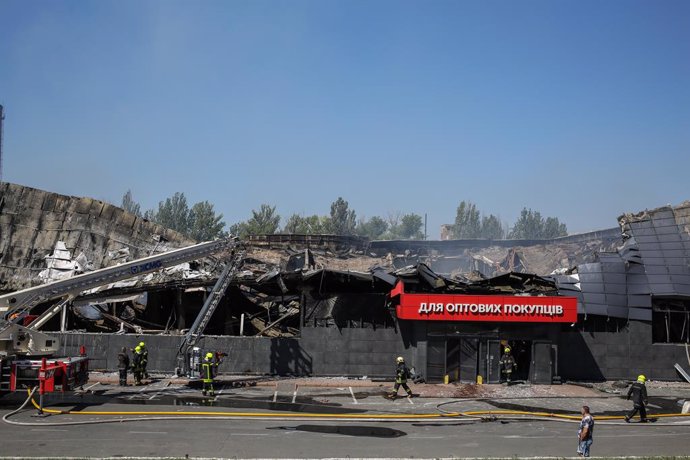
150 214
173 213
467 221
265 221
410 227
492 228
531 225
343 220
309 225
553 228
129 205
373 228
204 224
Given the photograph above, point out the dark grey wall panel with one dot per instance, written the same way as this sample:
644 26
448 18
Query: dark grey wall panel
320 351
640 301
617 355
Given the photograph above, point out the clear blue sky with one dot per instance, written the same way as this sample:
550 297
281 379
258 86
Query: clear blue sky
577 109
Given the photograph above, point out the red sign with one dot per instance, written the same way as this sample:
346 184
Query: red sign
499 308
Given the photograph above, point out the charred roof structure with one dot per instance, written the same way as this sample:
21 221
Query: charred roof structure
304 292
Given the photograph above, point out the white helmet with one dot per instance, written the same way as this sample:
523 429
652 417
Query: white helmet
399 359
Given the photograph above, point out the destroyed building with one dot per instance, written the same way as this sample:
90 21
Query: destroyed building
322 304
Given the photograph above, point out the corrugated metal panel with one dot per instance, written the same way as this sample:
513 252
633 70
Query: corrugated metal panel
640 301
611 288
654 260
640 314
593 309
589 268
615 278
639 289
591 298
618 312
616 300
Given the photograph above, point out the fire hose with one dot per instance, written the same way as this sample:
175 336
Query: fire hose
442 415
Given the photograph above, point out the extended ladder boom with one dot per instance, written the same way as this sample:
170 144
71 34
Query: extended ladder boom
195 332
24 300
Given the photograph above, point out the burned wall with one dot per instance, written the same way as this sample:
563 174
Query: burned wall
32 221
596 355
319 352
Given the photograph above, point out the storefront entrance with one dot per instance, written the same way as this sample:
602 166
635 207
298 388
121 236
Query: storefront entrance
453 359
465 359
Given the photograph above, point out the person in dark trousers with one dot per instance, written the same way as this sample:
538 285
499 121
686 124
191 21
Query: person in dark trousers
507 364
402 373
145 359
638 392
209 368
585 433
137 365
123 365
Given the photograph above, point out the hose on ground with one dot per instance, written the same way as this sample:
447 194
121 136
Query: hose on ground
470 416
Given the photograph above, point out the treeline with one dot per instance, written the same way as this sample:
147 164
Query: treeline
202 223
471 223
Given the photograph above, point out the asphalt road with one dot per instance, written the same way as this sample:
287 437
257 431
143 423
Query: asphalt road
250 438
300 439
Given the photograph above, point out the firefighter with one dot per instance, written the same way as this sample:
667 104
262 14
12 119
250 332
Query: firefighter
638 391
123 365
402 373
209 368
507 364
137 365
145 354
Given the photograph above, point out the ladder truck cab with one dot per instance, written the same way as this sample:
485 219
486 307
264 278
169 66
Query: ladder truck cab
27 354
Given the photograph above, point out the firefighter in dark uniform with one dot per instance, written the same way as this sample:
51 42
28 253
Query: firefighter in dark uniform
507 364
145 359
402 373
209 368
638 391
137 365
123 365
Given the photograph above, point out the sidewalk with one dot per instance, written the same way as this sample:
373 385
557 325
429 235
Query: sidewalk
243 391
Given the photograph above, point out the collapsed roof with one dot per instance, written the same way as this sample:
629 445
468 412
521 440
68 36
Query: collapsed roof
327 279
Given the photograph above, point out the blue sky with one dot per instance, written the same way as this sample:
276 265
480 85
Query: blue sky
577 109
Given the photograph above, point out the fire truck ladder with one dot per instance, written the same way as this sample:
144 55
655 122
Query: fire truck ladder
196 331
15 304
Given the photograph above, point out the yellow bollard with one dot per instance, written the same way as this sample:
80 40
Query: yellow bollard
480 380
446 379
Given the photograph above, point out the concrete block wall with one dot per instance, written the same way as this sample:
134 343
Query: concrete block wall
319 352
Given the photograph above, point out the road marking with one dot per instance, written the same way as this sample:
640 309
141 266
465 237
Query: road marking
353 395
294 395
637 435
410 399
275 394
91 386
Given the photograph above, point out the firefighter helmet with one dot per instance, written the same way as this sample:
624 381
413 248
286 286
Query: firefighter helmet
209 355
142 344
641 378
507 350
399 359
137 349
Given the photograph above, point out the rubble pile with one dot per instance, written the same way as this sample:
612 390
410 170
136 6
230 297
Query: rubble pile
286 282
